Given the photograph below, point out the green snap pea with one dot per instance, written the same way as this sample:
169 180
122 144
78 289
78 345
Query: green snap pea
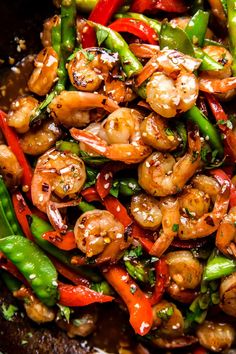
206 128
84 206
34 265
69 146
114 41
9 224
197 27
129 186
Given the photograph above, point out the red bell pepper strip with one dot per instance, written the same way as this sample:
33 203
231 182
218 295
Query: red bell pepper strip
104 178
136 27
69 274
188 244
142 235
64 242
164 5
80 295
217 110
22 211
115 207
221 116
14 144
200 350
104 10
141 317
221 177
86 33
162 280
90 195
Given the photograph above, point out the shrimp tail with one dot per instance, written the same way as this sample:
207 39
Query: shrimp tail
93 141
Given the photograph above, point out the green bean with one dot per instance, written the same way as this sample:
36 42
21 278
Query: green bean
128 186
86 5
84 206
68 14
34 265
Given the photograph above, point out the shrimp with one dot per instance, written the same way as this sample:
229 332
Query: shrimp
156 133
46 34
118 89
10 167
35 309
216 85
56 172
223 57
146 211
172 86
20 111
194 202
160 175
228 295
143 50
170 222
209 222
37 141
226 234
45 72
185 270
84 325
206 184
89 67
122 139
216 336
98 233
167 97
168 319
71 108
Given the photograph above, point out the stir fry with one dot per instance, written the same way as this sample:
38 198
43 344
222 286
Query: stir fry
118 171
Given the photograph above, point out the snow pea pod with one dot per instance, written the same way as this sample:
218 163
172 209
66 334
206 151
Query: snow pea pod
8 222
197 27
34 265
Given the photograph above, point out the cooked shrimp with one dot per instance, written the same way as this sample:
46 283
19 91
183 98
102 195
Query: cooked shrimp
209 222
117 89
170 222
160 175
97 232
215 336
71 108
206 184
20 111
194 202
56 172
174 88
146 211
156 133
35 309
9 167
168 319
122 139
143 50
223 57
39 140
89 67
185 270
216 85
226 234
46 34
218 11
84 325
228 294
45 72
167 96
